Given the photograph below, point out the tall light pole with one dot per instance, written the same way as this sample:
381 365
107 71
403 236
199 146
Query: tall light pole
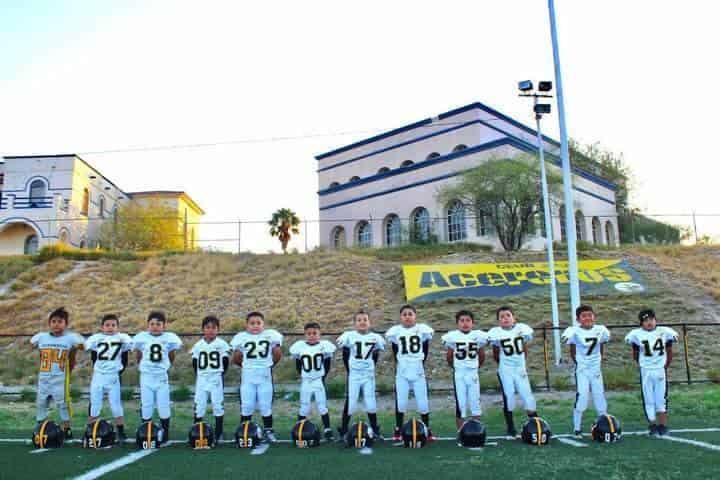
539 108
570 228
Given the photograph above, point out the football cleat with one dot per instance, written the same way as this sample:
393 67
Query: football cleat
511 434
68 434
652 430
431 437
536 431
578 434
328 434
248 435
149 435
606 429
360 435
270 435
47 434
397 437
305 434
662 430
201 436
415 434
99 434
472 434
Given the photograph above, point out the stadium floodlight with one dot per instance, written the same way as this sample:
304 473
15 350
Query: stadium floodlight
525 85
545 86
541 108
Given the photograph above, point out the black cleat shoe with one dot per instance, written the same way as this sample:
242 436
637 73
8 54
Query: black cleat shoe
512 434
68 434
397 437
653 430
329 435
662 430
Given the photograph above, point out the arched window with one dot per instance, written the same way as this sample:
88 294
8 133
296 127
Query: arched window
420 224
101 207
609 233
393 230
64 236
457 229
31 245
406 163
579 225
82 243
384 170
85 205
37 192
334 184
337 237
363 233
354 179
459 148
596 231
433 155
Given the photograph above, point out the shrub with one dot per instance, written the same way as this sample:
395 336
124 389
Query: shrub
181 394
27 395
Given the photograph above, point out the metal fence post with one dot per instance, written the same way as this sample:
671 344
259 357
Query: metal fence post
185 235
545 358
306 235
695 227
687 356
239 236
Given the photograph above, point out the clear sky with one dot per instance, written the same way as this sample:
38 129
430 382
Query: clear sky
88 76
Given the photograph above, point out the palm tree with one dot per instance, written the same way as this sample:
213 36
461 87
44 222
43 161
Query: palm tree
283 224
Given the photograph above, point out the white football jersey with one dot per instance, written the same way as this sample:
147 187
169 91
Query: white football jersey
257 349
210 356
511 343
652 345
465 347
109 350
409 342
54 351
312 357
587 343
361 347
155 351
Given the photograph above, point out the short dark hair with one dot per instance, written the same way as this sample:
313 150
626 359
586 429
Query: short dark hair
645 314
466 313
254 314
157 315
108 317
406 306
360 312
583 308
211 319
60 313
504 308
312 325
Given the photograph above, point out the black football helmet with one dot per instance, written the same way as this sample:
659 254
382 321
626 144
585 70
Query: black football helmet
536 431
99 434
472 434
149 435
606 429
48 434
414 434
305 434
201 436
248 435
360 435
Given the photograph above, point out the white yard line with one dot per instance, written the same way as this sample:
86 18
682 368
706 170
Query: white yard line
40 450
697 443
119 463
569 441
260 449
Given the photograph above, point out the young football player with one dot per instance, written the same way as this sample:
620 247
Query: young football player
410 342
109 351
313 357
652 350
361 349
509 340
57 359
156 351
257 351
587 344
465 355
210 360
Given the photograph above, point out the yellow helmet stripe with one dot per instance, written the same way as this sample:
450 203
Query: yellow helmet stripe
359 434
94 433
202 432
612 424
149 427
414 430
42 434
300 430
539 431
245 433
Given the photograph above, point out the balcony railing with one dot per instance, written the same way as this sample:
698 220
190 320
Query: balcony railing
26 202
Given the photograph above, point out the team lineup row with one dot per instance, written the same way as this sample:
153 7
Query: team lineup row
257 349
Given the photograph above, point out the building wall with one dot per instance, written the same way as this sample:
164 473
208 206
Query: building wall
13 237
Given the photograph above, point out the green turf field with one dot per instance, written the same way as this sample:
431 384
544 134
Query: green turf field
636 457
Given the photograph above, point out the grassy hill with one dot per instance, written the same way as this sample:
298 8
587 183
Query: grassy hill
328 287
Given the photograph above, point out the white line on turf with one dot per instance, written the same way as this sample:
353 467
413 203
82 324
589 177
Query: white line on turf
697 443
260 449
569 441
40 450
119 463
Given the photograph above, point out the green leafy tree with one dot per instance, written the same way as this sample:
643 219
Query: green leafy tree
143 226
507 192
283 224
605 163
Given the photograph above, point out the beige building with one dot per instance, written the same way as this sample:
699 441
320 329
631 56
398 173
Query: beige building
189 213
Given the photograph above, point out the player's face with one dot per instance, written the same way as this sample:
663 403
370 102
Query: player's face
109 327
407 318
586 319
506 319
156 327
57 325
465 323
255 325
210 331
649 323
312 335
362 323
